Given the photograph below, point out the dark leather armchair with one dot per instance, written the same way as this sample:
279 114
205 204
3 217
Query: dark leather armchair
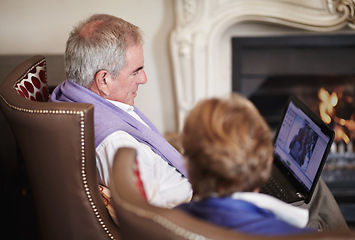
140 220
56 141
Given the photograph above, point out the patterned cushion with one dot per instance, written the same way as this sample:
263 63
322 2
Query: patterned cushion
106 194
33 84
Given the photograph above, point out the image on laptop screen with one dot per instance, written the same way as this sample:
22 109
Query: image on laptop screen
300 145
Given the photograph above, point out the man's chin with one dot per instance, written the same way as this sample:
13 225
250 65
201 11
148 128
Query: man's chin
131 103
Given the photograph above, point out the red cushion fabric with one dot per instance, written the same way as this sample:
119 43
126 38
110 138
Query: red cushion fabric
33 84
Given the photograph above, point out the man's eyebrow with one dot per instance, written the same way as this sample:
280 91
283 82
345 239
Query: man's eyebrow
139 68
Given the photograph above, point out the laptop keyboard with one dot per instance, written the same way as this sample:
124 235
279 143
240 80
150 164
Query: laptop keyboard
273 189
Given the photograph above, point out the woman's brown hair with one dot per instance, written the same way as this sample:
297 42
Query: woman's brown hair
227 145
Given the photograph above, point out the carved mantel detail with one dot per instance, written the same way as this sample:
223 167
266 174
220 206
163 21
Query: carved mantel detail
344 7
196 40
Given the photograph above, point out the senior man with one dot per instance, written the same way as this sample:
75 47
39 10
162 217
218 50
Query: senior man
104 66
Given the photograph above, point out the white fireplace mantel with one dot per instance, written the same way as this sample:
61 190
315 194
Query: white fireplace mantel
200 41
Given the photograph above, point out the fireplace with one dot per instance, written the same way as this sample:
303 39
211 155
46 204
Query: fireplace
200 41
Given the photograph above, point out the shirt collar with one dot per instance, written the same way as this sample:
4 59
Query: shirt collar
123 106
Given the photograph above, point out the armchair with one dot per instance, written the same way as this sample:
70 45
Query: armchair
140 220
56 141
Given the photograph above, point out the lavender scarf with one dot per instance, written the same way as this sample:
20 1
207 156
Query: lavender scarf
108 119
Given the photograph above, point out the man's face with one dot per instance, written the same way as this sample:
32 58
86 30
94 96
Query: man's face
125 86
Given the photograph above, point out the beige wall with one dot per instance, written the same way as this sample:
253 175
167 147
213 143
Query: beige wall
42 27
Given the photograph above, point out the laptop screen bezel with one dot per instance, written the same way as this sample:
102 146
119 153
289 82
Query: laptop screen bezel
307 193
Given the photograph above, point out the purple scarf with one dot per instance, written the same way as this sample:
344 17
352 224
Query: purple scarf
69 91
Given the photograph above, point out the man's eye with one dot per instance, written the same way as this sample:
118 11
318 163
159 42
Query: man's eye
137 71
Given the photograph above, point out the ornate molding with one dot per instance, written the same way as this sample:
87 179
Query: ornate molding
197 39
344 7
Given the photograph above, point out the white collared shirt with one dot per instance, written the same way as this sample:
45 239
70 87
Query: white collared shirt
286 212
163 185
128 109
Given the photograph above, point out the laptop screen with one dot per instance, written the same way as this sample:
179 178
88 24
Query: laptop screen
302 143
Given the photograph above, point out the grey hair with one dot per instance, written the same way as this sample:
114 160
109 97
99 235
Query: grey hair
99 43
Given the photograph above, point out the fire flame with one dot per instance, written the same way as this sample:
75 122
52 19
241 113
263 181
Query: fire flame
326 111
340 134
327 104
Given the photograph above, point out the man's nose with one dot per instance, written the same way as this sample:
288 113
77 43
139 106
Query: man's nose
143 77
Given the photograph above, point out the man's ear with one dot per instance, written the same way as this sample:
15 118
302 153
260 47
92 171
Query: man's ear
102 80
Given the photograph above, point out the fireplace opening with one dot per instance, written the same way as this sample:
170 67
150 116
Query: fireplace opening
271 96
268 70
315 68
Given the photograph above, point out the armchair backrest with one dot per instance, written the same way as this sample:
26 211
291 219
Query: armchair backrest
56 141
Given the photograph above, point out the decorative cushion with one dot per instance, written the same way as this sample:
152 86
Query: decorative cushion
106 197
33 84
106 194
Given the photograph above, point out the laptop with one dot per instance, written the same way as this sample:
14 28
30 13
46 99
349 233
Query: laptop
301 147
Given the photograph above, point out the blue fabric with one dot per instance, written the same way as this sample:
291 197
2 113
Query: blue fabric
240 216
108 119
